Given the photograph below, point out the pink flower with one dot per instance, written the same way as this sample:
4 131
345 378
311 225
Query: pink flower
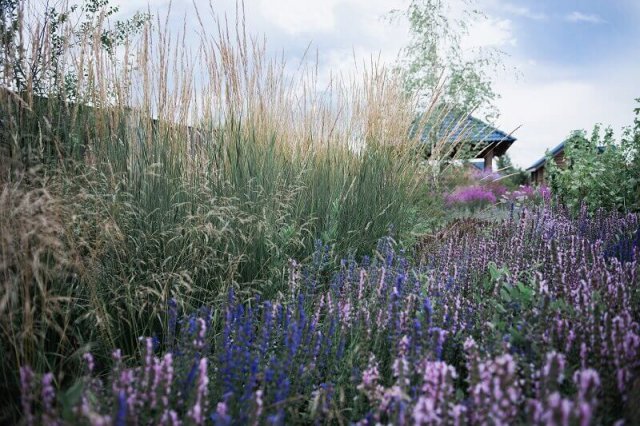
197 412
424 412
26 389
48 398
545 192
199 341
471 194
370 376
88 358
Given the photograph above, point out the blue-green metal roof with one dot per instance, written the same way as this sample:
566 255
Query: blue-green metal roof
555 151
458 127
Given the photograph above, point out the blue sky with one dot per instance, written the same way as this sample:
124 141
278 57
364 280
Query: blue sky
574 32
569 63
578 63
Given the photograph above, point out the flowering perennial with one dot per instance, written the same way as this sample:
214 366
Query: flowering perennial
474 194
534 321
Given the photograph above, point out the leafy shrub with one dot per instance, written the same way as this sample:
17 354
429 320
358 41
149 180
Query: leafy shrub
514 176
600 172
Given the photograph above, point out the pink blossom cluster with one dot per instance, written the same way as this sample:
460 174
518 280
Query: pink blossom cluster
497 393
474 194
529 193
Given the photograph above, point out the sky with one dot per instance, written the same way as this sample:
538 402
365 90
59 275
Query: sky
568 64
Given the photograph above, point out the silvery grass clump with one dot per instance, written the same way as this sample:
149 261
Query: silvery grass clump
534 321
158 170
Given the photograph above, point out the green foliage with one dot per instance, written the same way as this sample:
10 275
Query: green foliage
631 144
599 172
508 302
42 69
504 162
435 61
514 176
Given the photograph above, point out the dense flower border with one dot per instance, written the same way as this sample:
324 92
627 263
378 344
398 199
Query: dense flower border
534 320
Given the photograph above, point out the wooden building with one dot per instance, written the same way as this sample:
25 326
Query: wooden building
537 168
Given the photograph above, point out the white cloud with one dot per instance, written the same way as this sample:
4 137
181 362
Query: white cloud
576 16
490 32
549 101
296 17
524 12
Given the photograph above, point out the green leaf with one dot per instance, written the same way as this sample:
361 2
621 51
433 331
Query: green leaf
505 295
500 308
70 398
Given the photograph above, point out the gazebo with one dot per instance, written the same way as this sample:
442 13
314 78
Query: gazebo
479 139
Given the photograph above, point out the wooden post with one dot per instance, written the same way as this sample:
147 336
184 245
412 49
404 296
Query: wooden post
488 160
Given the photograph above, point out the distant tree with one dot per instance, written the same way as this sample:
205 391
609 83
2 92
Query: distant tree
504 162
435 61
50 54
33 55
631 142
515 176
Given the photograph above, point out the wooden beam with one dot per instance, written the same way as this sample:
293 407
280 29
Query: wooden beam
488 160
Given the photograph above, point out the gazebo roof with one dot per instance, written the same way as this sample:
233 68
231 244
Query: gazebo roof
472 129
457 127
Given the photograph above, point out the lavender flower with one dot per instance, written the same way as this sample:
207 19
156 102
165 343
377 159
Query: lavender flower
197 411
26 387
530 299
471 195
88 359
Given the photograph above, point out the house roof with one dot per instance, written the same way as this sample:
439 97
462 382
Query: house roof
457 127
555 151
472 129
